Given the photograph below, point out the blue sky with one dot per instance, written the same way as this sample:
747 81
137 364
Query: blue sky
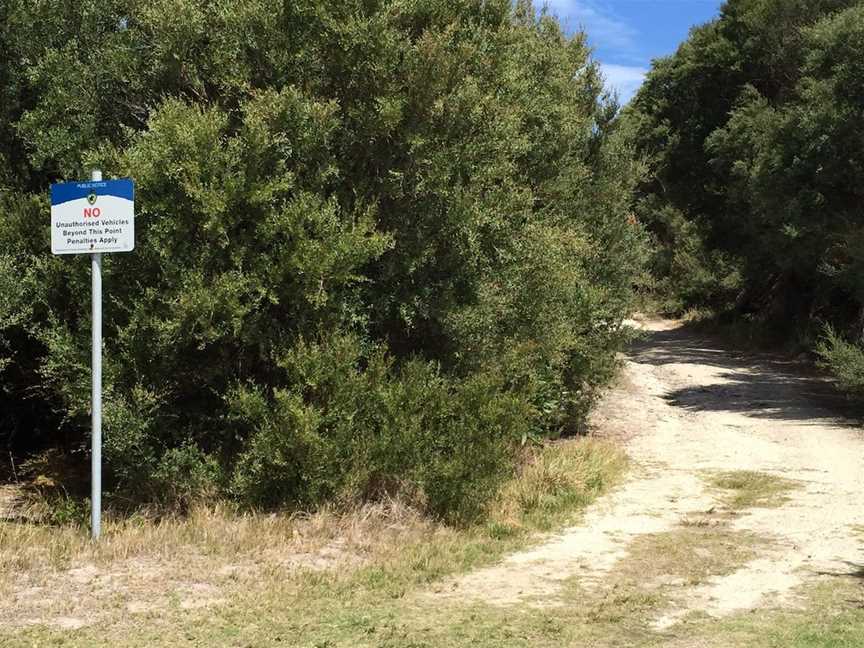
627 34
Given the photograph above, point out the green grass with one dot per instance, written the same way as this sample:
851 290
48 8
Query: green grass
747 489
829 614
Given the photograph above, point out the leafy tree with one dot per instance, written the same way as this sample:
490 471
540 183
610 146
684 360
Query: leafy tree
775 166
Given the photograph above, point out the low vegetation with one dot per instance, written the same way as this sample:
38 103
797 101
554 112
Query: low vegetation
742 489
369 578
689 555
219 575
391 602
829 615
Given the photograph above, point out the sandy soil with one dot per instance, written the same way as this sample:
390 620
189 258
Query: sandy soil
687 406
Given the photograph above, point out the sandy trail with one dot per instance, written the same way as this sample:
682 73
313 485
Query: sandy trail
689 406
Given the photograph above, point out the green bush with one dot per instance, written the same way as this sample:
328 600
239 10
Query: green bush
353 425
378 244
843 359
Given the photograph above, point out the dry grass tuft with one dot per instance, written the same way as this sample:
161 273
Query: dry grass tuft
51 574
217 530
748 489
689 555
658 570
556 481
216 554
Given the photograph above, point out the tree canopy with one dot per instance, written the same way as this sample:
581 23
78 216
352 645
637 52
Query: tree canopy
752 129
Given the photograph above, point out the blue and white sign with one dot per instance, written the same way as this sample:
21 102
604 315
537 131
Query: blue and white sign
93 217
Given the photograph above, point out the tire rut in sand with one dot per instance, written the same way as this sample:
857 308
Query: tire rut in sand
689 408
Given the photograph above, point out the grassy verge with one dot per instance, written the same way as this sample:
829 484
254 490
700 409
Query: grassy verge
219 577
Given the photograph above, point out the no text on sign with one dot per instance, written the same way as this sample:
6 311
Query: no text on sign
93 217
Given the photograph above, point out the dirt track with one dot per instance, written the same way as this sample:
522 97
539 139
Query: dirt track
689 409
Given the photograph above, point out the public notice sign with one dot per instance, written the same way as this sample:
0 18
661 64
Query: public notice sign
93 217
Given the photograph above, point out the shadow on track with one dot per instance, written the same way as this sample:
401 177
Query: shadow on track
754 384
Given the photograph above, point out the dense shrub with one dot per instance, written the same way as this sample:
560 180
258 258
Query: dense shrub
379 244
339 431
844 360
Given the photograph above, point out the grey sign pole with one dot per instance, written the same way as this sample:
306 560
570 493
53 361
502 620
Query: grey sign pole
96 395
77 228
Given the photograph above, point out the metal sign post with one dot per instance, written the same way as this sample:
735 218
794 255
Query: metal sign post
92 218
96 389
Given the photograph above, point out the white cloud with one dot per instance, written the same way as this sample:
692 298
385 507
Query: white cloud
623 78
611 36
604 28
